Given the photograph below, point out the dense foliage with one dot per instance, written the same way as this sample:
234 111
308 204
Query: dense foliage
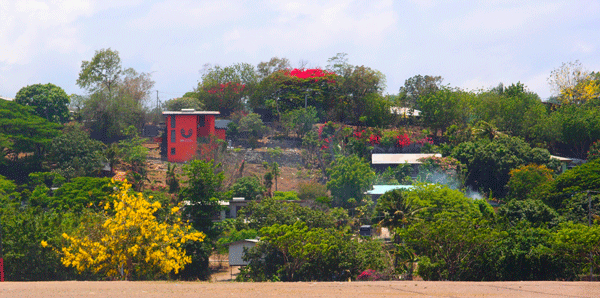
495 147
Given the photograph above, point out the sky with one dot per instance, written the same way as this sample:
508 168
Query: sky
471 44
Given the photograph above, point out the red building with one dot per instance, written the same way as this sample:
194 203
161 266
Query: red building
184 129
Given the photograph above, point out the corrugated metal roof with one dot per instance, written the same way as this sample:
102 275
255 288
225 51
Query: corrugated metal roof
381 189
400 158
222 124
565 159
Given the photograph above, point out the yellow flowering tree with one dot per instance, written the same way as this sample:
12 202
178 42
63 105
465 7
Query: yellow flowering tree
131 240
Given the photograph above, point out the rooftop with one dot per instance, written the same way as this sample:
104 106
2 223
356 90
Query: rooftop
381 189
400 158
191 112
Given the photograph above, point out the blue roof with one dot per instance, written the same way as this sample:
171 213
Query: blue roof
381 189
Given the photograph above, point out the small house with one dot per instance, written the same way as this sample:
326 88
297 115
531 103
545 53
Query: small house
185 128
236 251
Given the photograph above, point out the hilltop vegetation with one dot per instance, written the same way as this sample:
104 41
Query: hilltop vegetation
63 217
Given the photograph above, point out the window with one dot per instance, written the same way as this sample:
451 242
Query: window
172 151
201 119
173 121
173 136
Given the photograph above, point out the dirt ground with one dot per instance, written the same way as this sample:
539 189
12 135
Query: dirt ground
300 289
288 179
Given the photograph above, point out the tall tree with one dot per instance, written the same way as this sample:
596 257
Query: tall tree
443 108
48 101
101 73
350 177
116 98
276 64
131 242
227 88
202 190
513 110
75 154
570 80
416 87
23 132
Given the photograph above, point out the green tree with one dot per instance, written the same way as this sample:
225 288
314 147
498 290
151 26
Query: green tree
349 178
568 192
523 252
81 193
580 244
434 199
416 87
265 69
300 121
202 190
134 155
102 73
252 125
578 126
443 108
525 179
531 210
396 210
23 132
226 88
513 110
450 247
299 253
177 104
48 101
270 211
74 154
376 111
248 187
116 96
489 162
356 84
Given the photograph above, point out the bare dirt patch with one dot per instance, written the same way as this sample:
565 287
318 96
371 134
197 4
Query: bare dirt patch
300 289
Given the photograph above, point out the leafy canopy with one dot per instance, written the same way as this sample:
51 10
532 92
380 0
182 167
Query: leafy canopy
131 235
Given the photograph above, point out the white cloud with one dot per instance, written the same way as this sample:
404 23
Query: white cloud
187 14
309 26
499 19
30 26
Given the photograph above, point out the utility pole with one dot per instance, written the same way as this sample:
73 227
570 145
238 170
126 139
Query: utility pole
157 100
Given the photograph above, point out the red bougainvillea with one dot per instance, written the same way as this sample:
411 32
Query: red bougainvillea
358 134
308 73
402 141
312 73
374 140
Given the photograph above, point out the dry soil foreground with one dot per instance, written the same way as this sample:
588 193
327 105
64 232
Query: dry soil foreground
296 290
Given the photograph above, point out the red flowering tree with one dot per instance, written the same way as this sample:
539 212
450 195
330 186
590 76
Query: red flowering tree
288 90
227 88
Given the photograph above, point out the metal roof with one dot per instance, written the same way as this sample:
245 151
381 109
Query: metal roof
560 158
381 189
400 158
